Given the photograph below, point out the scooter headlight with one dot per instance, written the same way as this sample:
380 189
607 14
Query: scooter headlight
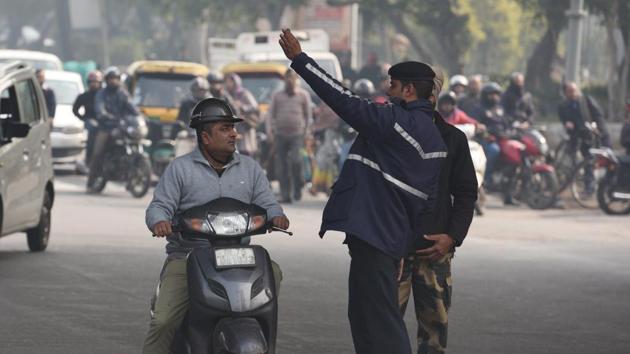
229 224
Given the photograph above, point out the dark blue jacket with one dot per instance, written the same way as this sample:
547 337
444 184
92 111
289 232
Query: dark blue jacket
391 175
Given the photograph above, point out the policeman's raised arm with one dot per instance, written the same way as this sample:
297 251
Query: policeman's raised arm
367 118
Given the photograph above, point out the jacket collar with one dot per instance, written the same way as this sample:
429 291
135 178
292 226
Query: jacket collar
422 104
197 156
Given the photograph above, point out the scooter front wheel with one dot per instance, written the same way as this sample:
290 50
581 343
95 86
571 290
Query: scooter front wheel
139 177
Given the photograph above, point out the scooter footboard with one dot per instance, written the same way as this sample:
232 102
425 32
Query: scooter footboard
239 336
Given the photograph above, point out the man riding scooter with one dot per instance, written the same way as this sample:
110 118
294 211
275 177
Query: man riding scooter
211 171
110 104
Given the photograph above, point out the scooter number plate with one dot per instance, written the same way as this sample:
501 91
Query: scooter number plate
234 257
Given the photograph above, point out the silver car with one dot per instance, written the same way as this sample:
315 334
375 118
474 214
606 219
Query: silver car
26 173
68 137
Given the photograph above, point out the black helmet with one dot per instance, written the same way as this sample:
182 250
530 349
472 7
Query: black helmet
490 88
112 71
211 110
447 97
215 77
363 88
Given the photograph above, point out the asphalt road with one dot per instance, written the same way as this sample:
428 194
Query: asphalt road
524 282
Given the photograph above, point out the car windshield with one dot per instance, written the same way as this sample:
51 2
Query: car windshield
66 92
161 90
262 85
37 64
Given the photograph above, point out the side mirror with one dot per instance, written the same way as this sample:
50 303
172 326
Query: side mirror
16 130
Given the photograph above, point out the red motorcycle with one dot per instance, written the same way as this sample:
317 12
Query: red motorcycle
523 169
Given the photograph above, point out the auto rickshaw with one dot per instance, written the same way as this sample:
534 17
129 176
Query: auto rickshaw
157 88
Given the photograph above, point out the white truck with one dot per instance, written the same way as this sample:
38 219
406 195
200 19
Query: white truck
263 47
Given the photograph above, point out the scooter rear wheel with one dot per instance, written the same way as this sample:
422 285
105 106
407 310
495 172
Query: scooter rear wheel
542 190
607 202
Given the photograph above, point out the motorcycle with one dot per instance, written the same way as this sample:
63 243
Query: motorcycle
125 160
522 168
479 161
163 137
613 192
233 298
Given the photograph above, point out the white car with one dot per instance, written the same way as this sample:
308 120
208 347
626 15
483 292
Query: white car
68 136
27 192
38 60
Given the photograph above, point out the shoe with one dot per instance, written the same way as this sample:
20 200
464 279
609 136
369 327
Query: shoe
285 201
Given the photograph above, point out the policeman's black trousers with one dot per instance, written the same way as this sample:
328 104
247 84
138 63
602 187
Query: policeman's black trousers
375 319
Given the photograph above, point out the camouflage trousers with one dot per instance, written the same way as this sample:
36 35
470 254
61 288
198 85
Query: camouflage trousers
431 285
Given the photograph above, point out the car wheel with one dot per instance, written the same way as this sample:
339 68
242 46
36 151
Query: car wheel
38 236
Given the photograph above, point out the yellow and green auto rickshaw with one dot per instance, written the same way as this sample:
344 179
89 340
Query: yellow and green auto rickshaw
157 88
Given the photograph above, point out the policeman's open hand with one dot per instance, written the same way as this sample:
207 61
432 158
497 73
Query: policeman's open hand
162 229
290 45
281 222
441 247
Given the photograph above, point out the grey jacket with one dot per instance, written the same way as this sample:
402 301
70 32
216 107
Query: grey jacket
190 181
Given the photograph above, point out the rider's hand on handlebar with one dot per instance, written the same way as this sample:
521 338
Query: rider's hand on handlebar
162 229
569 125
281 222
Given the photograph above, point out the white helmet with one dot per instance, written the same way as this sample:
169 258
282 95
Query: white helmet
458 80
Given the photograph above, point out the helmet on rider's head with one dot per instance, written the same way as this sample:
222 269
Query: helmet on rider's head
199 83
210 110
447 97
95 75
490 88
458 80
364 88
215 77
112 72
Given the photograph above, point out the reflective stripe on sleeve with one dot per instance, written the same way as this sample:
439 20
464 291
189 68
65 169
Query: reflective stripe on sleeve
416 145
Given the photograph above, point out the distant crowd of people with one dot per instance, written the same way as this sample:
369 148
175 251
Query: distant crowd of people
302 143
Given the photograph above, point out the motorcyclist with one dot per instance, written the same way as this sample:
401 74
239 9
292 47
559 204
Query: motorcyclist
211 171
496 123
88 114
111 104
459 85
470 103
199 89
217 88
247 107
447 107
518 103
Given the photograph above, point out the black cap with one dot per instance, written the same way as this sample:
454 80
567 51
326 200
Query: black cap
411 71
211 110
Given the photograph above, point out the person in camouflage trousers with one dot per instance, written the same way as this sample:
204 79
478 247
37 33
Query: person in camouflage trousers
426 271
431 284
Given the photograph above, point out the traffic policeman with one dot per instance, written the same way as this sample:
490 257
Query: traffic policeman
387 183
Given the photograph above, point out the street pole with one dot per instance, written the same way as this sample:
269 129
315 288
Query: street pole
104 33
355 37
574 40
